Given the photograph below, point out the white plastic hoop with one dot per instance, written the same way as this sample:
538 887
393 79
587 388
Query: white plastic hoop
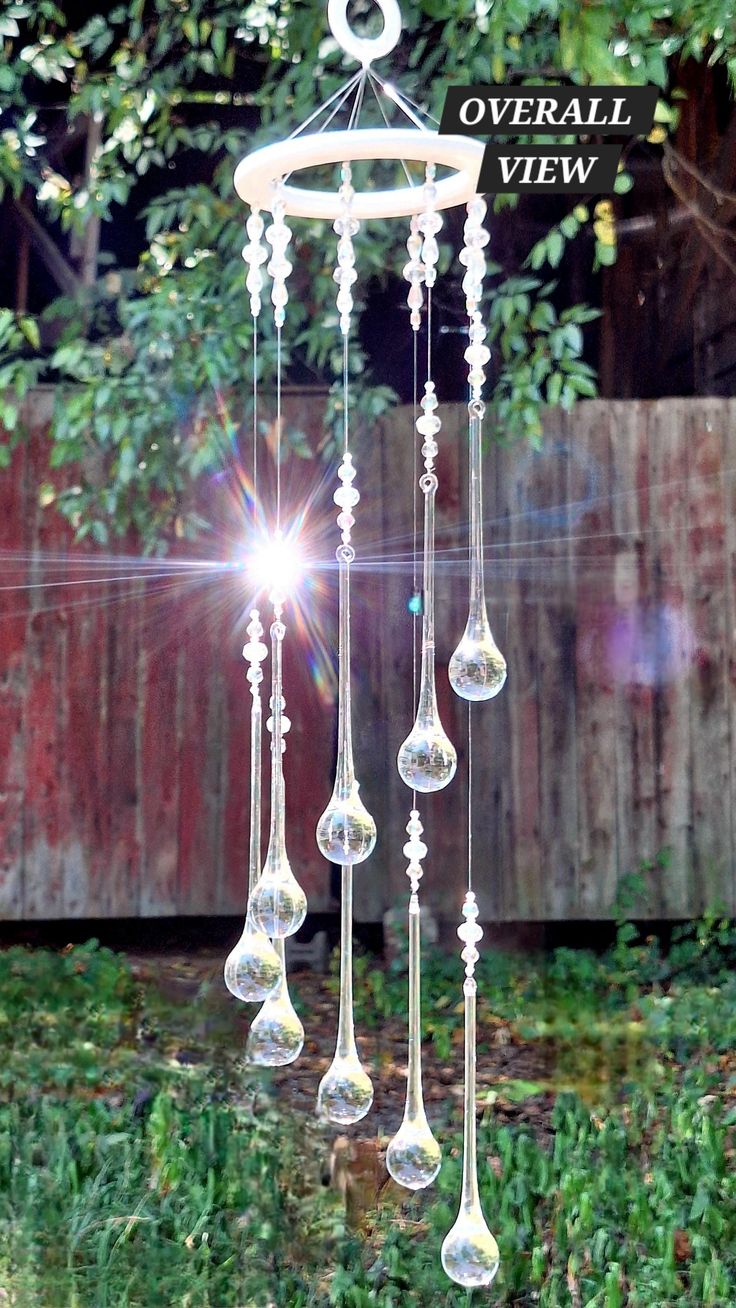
365 49
257 174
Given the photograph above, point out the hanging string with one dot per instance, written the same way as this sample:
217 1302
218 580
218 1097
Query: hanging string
470 796
255 423
278 430
415 543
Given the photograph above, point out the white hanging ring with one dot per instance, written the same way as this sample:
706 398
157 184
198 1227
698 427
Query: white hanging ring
257 175
365 49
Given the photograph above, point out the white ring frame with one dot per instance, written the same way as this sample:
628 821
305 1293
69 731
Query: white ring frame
258 173
365 49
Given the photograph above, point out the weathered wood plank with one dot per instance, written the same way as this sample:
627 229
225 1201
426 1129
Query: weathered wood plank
158 784
45 820
668 442
558 827
709 722
124 787
13 683
728 427
530 891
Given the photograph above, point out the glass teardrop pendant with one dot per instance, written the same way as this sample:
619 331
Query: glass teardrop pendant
470 1254
346 832
278 903
345 1092
276 1035
252 967
413 1157
477 668
427 758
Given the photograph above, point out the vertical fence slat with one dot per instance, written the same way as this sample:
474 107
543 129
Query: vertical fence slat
158 770
592 567
728 428
668 441
13 688
709 721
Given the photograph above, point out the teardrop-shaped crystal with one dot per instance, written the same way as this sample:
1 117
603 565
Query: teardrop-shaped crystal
427 758
346 832
278 903
477 668
252 967
345 1092
470 1254
276 1035
413 1157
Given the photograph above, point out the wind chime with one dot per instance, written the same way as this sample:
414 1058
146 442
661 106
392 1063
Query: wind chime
346 833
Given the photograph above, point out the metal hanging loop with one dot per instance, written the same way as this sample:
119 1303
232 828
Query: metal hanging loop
365 49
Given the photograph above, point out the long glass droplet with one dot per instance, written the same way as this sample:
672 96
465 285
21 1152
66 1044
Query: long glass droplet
345 1092
477 668
413 1157
278 902
470 1254
276 1035
252 967
346 832
427 759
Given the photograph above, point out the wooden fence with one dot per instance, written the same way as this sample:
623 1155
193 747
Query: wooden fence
611 557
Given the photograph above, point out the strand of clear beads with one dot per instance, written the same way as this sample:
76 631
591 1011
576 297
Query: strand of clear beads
477 668
414 274
346 227
427 758
255 255
429 224
278 902
346 832
469 1251
278 235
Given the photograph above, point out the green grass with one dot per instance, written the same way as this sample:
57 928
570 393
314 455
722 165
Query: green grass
132 1177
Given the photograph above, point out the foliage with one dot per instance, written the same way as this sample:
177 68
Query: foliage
151 361
130 1176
